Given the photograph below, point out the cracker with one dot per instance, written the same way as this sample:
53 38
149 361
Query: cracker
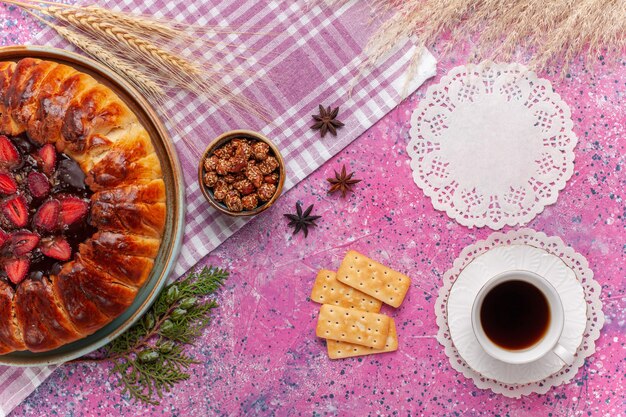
353 326
339 350
373 278
327 290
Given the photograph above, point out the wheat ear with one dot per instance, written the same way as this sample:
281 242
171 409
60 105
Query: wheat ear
145 84
136 24
160 58
173 66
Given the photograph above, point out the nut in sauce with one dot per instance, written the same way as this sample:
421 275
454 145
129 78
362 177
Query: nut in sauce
243 173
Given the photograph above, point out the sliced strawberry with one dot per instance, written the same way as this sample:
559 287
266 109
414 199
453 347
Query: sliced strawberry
9 157
16 210
47 217
72 210
16 269
7 184
4 237
38 184
56 247
24 242
48 158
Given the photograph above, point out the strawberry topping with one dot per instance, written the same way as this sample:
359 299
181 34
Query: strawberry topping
8 185
72 210
9 157
4 236
16 269
44 204
47 217
47 158
24 242
56 247
38 184
15 210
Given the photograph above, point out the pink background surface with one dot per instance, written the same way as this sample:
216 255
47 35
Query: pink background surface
261 357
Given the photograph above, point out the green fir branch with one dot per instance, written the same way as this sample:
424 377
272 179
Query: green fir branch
149 358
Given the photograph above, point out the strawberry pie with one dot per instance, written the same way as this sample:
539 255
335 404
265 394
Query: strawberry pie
82 205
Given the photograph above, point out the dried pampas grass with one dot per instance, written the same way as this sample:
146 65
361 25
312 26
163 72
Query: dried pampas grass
157 57
552 32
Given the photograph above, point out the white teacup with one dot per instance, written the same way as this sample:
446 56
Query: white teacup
546 344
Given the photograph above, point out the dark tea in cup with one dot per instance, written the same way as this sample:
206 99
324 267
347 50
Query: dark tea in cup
515 315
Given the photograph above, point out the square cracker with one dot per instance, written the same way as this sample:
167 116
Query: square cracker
353 326
327 290
373 278
339 350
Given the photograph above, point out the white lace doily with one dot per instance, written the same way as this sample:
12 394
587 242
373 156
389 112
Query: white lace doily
492 144
552 245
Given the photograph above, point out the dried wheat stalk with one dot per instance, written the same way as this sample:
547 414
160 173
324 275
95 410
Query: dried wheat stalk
170 65
116 34
169 33
135 24
141 81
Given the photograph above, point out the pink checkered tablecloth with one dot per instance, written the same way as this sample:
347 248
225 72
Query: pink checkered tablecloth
312 57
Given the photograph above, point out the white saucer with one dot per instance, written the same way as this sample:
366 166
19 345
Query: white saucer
491 263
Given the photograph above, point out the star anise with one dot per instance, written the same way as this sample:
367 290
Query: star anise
342 182
327 121
302 221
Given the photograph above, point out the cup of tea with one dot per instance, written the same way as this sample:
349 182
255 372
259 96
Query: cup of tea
518 318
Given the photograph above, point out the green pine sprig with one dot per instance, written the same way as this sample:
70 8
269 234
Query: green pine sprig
149 358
